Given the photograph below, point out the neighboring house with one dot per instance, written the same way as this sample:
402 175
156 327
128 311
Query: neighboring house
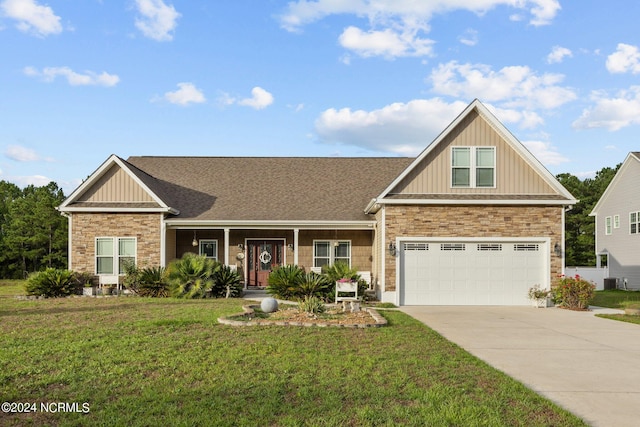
617 215
475 219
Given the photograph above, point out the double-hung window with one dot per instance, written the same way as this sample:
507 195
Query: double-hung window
328 252
113 254
209 248
607 225
634 222
473 167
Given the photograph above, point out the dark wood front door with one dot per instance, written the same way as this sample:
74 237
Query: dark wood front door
263 255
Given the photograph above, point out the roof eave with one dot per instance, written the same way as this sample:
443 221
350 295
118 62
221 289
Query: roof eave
566 202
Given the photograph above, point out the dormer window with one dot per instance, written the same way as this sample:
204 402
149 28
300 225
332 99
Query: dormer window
473 167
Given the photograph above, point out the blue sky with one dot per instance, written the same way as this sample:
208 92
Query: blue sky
80 80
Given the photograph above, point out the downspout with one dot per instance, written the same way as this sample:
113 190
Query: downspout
163 241
383 252
69 239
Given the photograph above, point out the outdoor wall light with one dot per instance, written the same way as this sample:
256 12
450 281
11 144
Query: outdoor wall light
194 243
392 249
290 246
241 247
557 249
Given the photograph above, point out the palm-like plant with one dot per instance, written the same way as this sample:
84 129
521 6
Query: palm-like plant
284 281
191 276
153 282
226 282
313 285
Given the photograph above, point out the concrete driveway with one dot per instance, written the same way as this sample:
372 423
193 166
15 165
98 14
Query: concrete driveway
588 365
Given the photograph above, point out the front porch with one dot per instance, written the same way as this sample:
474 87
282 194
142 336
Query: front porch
255 252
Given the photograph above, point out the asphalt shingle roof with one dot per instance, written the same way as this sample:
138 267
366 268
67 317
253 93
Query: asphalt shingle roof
268 188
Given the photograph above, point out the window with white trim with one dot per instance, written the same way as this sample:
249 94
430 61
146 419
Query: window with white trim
473 167
616 221
328 252
607 225
113 254
634 222
209 248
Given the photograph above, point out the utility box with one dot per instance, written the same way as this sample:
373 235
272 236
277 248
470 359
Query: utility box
610 283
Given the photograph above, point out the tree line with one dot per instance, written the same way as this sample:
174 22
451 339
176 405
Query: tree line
33 234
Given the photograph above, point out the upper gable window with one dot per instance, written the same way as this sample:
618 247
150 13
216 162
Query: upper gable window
473 167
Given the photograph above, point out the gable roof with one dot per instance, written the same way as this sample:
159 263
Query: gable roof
562 196
248 189
152 203
632 157
269 188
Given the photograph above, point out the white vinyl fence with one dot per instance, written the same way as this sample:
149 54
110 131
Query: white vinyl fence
592 274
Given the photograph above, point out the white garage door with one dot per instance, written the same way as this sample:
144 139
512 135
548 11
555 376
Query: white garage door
470 273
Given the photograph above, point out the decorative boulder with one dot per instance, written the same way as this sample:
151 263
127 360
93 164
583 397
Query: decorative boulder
269 305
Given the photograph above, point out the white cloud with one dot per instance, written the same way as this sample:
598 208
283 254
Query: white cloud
626 59
186 94
396 27
514 86
545 152
35 180
32 17
469 37
611 113
260 99
21 154
158 19
558 53
403 128
49 74
387 43
525 119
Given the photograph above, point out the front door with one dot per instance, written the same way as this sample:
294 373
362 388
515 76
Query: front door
264 255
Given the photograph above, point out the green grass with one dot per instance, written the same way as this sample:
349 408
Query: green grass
620 300
141 362
10 288
621 317
615 298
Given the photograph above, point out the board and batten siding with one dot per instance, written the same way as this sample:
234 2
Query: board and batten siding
116 186
622 246
513 174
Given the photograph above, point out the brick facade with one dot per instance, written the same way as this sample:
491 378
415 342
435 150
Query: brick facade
472 221
85 227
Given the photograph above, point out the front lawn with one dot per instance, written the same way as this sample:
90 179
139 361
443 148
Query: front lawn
615 298
141 362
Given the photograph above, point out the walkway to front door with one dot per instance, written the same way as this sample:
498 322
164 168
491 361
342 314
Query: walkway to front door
263 256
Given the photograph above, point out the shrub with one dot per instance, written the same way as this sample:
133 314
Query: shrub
52 283
152 282
191 276
226 282
573 292
314 285
311 304
284 281
83 279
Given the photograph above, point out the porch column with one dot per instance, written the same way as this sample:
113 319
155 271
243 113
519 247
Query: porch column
226 246
296 231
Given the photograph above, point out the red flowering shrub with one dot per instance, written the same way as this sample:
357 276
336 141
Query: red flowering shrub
573 292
